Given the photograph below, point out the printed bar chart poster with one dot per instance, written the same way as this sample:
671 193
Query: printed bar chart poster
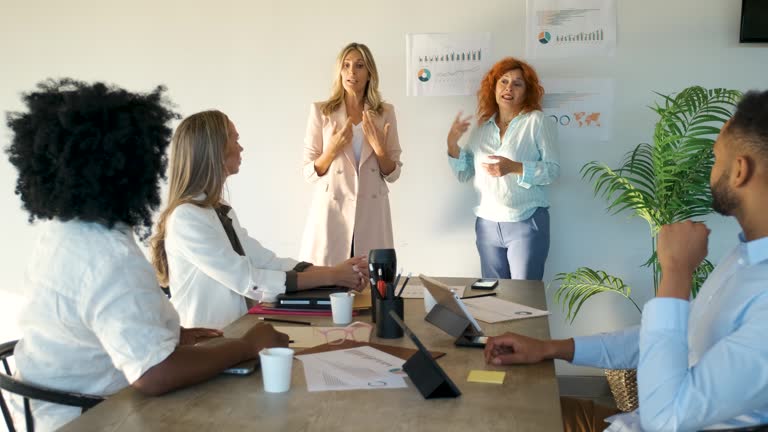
446 64
570 28
582 109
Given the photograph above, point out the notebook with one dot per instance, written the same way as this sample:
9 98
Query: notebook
318 298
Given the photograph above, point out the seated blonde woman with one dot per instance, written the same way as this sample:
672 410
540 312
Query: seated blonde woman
201 251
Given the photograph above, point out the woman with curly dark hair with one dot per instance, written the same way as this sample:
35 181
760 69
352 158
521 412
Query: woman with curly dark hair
89 158
512 156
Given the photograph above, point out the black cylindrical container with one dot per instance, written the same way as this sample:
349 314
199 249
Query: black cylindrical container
386 327
382 261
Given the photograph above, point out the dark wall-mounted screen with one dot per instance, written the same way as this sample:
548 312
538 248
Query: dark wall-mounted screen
754 21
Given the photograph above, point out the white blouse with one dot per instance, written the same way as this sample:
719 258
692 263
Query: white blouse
95 319
208 279
357 141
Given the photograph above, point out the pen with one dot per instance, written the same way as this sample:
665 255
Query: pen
397 279
374 290
407 278
481 295
381 286
285 321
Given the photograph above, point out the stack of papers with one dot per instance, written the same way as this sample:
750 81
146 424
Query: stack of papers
361 368
493 310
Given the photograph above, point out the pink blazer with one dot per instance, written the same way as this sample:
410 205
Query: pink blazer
348 200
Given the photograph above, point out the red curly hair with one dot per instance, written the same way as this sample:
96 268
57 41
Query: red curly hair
486 96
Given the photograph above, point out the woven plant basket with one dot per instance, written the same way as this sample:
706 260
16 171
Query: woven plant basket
623 384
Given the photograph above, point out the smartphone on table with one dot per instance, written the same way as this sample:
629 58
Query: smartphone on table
485 284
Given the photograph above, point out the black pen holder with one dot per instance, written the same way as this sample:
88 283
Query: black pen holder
386 327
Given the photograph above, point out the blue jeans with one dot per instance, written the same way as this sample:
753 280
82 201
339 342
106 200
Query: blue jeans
514 250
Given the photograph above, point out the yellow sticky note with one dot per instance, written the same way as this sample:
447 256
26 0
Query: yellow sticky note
486 376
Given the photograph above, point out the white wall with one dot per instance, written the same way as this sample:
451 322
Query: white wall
264 62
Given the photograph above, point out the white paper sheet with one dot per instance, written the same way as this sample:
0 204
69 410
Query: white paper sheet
446 64
493 310
570 28
417 291
362 368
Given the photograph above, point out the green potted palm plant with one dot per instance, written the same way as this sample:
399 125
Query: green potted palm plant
662 183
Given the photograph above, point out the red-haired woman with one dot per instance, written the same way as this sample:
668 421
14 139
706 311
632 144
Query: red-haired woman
512 156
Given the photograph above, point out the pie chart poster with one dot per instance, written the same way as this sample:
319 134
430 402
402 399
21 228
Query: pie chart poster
446 64
570 28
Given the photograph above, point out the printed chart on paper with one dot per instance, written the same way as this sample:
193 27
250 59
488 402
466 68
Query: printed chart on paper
446 64
570 28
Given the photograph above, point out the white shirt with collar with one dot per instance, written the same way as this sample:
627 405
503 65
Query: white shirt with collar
95 319
531 139
208 279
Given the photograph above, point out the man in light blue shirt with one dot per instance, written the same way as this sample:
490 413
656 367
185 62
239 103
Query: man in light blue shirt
703 363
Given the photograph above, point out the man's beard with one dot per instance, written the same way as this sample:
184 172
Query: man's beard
724 201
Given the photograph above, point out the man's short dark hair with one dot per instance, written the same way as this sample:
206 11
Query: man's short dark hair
749 125
91 152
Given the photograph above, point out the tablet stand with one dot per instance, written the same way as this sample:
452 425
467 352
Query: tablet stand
453 324
428 377
424 371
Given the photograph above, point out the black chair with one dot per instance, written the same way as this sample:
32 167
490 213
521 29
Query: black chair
28 391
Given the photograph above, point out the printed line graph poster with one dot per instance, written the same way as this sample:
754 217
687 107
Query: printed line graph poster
582 109
446 64
570 28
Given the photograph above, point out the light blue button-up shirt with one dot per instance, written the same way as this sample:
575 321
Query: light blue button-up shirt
530 139
701 364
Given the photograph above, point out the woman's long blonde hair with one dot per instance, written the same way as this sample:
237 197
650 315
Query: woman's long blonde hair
197 167
372 95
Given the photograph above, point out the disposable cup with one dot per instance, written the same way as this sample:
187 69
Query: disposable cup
276 365
341 307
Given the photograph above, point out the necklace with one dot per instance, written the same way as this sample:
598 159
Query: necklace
503 125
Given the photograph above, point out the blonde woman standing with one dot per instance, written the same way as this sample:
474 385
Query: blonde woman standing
351 152
200 249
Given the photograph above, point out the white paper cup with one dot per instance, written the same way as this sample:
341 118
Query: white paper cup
341 307
276 365
429 301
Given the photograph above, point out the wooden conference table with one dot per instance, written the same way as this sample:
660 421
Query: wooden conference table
527 401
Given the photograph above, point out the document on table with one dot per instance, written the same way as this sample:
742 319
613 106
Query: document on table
361 368
311 336
417 291
493 310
